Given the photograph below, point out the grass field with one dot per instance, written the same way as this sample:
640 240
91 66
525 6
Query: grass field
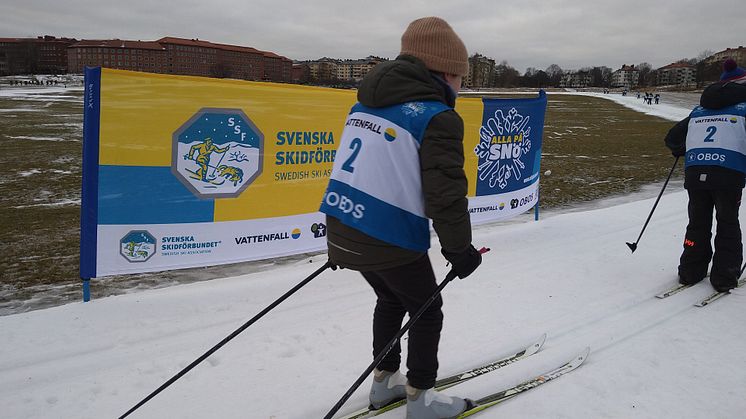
593 148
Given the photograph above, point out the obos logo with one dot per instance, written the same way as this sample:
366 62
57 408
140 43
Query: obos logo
137 246
503 143
217 153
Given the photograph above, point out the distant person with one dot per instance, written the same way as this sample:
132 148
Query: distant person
397 178
713 139
657 98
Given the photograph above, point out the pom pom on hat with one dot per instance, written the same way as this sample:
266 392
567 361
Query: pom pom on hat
731 70
432 40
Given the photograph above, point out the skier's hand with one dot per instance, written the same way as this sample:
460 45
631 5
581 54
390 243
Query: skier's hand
464 263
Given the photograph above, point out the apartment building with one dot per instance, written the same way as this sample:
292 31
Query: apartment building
576 79
682 74
330 69
481 72
628 76
738 54
149 57
170 55
43 54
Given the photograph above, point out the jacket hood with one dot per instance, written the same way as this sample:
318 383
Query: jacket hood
722 94
402 80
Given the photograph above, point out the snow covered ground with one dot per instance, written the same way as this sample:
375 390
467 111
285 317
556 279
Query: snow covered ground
570 275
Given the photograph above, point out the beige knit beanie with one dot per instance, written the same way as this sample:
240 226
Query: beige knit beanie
432 40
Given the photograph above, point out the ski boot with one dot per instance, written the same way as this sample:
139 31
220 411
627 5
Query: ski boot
387 388
430 404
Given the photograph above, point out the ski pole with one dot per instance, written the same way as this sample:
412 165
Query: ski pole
229 337
633 246
449 277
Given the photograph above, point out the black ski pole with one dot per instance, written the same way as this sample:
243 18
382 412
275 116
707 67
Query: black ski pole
229 337
633 246
449 277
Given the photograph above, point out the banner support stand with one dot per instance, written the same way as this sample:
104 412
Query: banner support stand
86 289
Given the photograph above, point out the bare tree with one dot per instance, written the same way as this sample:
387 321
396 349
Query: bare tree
506 76
555 74
645 69
704 55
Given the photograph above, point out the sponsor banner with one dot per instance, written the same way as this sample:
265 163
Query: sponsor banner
509 148
183 171
157 247
487 208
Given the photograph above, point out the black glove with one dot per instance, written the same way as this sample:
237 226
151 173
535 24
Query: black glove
464 263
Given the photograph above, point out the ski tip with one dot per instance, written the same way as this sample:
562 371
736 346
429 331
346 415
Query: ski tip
536 346
632 246
541 340
582 356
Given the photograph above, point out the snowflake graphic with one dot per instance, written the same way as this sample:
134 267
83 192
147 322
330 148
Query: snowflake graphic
491 166
413 108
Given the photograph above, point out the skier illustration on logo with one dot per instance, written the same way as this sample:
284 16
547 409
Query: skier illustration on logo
137 246
217 153
203 151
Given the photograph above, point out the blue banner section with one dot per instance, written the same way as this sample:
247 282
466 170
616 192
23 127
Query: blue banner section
716 157
150 195
89 189
367 213
509 148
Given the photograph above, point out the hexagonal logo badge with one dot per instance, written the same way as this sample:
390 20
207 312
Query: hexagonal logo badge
137 246
217 153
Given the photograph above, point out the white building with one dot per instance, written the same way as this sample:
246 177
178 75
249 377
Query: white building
576 79
677 74
628 76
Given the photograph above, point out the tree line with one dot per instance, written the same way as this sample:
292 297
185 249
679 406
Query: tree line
486 74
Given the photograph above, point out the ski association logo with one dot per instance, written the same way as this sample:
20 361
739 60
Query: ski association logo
137 246
217 153
504 143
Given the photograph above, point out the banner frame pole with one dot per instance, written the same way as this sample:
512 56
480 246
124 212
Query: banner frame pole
86 289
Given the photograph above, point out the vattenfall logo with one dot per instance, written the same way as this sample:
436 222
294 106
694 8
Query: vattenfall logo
269 237
711 119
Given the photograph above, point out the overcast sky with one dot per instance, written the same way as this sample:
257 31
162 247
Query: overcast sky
528 33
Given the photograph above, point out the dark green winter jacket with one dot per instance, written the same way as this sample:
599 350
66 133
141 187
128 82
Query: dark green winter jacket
444 184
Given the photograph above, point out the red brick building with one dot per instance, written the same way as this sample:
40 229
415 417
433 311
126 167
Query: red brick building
191 57
41 55
150 57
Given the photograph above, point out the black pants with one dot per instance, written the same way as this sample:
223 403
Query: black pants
728 255
402 290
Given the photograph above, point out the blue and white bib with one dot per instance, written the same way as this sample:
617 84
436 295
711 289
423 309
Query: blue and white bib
717 137
375 184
